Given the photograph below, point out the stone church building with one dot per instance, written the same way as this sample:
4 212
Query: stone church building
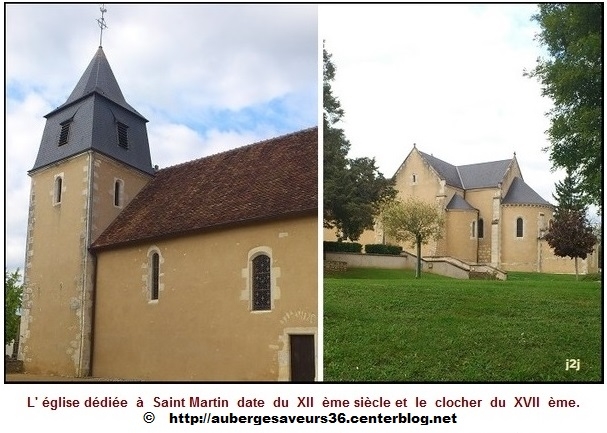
491 215
203 271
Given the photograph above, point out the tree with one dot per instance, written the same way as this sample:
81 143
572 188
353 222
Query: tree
355 197
12 303
568 195
353 189
572 76
412 220
570 235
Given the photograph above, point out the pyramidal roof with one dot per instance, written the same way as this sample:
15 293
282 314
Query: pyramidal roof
98 78
521 193
96 117
457 202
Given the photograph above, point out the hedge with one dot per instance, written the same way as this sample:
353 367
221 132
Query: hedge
394 250
342 247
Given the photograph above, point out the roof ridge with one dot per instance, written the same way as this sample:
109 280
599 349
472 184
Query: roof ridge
236 149
484 162
460 176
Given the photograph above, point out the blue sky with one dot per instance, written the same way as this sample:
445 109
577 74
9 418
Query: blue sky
207 77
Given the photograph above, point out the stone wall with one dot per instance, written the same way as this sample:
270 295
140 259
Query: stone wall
446 266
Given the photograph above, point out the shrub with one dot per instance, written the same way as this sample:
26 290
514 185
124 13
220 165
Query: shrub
394 250
342 247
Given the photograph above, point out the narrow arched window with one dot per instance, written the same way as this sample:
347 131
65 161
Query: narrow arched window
118 187
58 189
262 292
519 227
155 283
473 231
481 228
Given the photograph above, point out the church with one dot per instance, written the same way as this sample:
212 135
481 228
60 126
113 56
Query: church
491 215
203 271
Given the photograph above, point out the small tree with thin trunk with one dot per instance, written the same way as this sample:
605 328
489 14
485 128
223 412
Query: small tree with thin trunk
12 302
412 220
570 235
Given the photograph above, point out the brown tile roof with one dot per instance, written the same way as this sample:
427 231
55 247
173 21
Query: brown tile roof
270 179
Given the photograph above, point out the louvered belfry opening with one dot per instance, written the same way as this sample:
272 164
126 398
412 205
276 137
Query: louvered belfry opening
123 138
65 132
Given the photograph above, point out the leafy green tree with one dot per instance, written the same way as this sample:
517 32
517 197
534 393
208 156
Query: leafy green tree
414 221
353 189
12 303
572 76
570 235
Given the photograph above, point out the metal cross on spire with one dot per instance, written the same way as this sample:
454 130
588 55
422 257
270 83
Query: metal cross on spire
101 22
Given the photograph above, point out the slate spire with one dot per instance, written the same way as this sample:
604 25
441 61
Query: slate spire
98 77
96 117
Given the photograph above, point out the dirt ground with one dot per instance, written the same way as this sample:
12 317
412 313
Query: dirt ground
25 377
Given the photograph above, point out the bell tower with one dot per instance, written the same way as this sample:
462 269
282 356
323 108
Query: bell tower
94 157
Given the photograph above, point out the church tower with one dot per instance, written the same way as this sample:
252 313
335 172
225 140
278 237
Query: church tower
94 157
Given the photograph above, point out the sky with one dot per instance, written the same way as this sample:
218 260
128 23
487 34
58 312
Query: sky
447 77
207 77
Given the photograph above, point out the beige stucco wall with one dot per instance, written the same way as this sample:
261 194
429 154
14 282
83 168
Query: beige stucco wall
482 199
415 177
54 302
461 242
522 254
58 278
202 326
106 171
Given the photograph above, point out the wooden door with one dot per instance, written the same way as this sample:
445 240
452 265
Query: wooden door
303 365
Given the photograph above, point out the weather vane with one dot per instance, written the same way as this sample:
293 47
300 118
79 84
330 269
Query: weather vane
101 22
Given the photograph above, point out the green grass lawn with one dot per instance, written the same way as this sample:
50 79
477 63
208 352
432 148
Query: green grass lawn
385 325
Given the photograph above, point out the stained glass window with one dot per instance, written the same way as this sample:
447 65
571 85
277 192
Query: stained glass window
262 294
